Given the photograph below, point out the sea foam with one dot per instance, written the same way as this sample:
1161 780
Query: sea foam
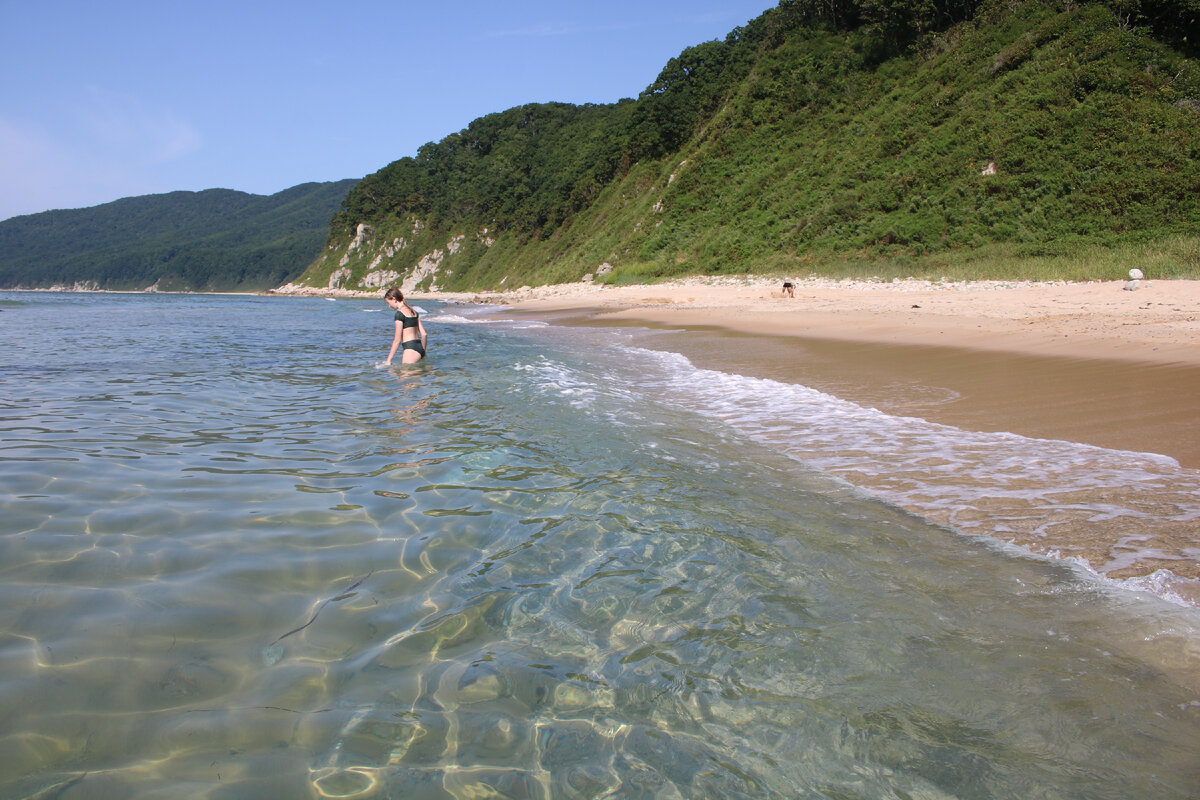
1113 509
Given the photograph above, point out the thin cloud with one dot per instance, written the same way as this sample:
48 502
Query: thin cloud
95 148
42 168
30 174
123 124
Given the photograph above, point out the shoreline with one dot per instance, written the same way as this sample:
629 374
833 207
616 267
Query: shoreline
1085 363
1129 359
1158 322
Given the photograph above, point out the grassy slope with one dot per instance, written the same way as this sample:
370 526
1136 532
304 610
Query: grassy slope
819 164
821 161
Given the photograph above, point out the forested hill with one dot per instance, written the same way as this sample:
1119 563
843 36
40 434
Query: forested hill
913 134
216 240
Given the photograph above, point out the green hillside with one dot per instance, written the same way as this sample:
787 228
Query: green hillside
216 240
1042 139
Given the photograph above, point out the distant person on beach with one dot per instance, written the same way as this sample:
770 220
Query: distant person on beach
788 290
410 333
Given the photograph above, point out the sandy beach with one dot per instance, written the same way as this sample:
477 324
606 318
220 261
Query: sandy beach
1159 322
1083 362
1087 362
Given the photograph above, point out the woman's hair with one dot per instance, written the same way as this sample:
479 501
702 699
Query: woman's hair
394 294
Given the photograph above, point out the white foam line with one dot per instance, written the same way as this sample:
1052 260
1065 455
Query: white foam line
455 319
1001 482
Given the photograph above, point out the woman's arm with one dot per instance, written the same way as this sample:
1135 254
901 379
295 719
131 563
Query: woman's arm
395 343
421 329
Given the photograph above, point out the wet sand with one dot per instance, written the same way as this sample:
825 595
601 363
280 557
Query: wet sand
1120 405
1117 404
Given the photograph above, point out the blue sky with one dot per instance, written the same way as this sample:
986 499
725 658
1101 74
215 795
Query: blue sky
103 100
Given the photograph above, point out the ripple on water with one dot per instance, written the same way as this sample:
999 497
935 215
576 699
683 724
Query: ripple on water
312 578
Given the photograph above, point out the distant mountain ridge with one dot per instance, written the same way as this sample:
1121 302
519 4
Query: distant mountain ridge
212 240
824 135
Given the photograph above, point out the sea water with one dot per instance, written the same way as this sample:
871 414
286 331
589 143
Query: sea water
239 561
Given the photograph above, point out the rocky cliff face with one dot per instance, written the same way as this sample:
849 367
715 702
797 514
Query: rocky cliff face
411 256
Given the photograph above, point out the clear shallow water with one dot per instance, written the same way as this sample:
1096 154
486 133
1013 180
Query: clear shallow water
238 561
1120 513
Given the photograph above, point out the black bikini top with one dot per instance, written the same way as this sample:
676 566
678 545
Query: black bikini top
406 322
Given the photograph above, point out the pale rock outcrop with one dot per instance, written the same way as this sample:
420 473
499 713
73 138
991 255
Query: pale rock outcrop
675 174
397 244
379 278
77 286
339 277
430 264
362 235
427 266
658 206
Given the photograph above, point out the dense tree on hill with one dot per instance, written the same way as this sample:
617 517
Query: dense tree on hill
529 166
823 130
216 239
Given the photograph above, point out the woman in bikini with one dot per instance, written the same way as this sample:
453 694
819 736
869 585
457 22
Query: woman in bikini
410 333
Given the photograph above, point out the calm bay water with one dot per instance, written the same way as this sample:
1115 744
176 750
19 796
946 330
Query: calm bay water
238 561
